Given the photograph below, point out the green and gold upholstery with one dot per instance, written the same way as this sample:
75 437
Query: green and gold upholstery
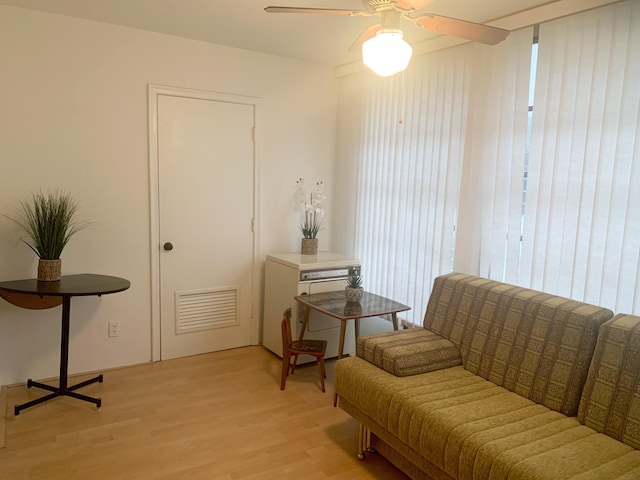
547 388
611 399
462 426
408 352
532 343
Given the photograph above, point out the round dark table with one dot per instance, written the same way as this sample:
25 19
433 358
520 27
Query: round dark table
18 292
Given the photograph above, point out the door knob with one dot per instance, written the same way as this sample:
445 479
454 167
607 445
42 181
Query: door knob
168 246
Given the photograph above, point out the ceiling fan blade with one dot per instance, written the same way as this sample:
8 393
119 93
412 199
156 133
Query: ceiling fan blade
368 33
331 11
461 28
413 4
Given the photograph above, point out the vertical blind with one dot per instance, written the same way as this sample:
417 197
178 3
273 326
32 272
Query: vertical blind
400 152
490 220
431 165
413 165
582 219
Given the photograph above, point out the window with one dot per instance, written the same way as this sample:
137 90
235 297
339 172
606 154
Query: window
582 220
450 166
401 146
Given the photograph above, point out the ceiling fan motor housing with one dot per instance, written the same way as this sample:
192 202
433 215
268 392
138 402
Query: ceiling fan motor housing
405 6
390 20
375 4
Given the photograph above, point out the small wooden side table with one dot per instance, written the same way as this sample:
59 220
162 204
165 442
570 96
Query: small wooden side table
335 305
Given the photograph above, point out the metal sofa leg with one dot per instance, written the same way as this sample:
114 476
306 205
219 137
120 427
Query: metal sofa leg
364 441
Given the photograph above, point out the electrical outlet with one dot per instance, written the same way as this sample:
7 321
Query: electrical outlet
114 328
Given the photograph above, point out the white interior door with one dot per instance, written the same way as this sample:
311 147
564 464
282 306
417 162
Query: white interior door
206 214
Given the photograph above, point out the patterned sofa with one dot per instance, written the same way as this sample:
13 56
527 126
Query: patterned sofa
502 382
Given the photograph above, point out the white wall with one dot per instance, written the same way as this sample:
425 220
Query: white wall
73 116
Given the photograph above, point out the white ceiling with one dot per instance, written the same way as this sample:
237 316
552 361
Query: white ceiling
244 24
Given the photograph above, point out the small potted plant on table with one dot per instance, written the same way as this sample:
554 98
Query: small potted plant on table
353 291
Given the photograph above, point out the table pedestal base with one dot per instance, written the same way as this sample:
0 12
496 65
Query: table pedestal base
51 294
59 392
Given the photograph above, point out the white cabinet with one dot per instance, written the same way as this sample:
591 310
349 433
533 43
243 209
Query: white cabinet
291 274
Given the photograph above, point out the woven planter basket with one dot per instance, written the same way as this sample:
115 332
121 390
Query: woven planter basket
49 270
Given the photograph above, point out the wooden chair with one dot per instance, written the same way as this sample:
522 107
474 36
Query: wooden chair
293 348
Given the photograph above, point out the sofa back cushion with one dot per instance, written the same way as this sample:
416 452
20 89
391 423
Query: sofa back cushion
535 344
611 397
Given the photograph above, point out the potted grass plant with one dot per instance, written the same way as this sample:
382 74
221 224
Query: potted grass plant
49 221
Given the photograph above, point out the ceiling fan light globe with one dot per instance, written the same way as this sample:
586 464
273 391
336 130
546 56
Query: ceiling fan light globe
386 53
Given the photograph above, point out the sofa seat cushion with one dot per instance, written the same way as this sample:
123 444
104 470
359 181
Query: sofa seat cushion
471 428
611 399
408 352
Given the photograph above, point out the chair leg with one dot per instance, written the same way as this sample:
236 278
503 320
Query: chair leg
320 362
295 361
285 370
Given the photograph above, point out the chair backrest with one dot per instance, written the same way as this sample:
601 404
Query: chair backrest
286 330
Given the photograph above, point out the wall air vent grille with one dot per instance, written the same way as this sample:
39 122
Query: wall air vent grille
198 310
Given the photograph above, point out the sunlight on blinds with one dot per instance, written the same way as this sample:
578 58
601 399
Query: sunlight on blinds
448 167
582 220
400 151
490 218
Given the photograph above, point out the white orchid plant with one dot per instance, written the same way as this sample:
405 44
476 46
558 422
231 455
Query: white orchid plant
313 212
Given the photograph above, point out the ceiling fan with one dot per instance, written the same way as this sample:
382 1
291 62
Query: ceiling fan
387 35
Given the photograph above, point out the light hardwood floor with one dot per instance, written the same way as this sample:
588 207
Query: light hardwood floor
215 416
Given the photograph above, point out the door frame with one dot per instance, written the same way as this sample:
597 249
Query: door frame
155 91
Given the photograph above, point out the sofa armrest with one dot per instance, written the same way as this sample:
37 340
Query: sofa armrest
408 352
